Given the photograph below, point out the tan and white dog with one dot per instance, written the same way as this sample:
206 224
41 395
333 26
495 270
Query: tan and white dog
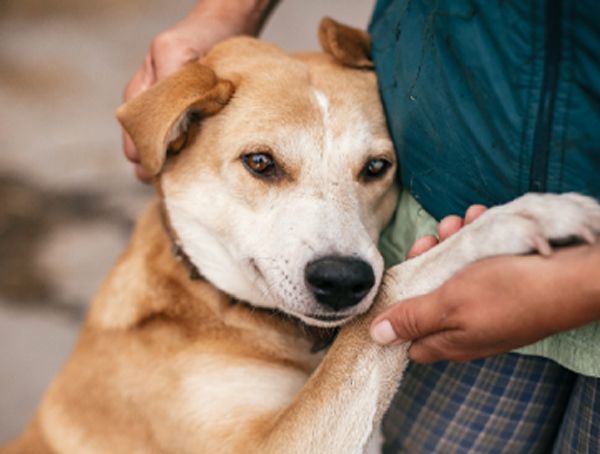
276 176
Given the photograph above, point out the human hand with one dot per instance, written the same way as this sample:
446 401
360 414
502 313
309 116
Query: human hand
209 23
498 304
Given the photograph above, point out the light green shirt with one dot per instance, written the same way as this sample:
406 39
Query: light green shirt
577 350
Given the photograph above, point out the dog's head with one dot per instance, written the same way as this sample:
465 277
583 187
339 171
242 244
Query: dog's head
277 171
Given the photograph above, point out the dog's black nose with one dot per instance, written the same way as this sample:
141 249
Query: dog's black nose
339 282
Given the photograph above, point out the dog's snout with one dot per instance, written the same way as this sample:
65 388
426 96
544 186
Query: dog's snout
339 282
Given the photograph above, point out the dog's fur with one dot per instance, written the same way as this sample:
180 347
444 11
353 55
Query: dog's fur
170 364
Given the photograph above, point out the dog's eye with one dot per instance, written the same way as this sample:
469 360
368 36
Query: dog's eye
260 164
374 169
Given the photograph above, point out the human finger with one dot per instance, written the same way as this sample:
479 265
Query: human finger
129 148
449 226
436 347
141 81
455 345
142 174
408 320
421 245
473 212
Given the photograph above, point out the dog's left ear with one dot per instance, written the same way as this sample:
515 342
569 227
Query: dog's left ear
350 46
158 119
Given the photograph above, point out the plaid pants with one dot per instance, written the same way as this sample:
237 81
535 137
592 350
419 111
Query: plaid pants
513 404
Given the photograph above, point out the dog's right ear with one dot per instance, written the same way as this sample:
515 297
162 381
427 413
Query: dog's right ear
348 45
159 118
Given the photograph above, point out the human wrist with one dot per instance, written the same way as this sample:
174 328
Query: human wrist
572 283
244 16
589 272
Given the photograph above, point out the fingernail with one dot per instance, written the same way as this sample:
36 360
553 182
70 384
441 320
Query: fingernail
383 333
588 235
542 246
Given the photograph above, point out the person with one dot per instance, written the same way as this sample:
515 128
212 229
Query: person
485 101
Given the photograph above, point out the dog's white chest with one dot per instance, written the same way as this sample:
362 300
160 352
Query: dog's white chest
235 389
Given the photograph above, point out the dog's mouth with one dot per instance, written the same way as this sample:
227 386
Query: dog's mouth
324 321
328 318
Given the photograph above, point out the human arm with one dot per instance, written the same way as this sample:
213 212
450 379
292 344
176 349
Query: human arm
209 22
499 304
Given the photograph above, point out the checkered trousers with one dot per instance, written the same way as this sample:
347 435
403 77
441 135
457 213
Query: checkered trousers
513 404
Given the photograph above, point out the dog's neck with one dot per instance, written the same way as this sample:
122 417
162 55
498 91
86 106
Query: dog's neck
176 245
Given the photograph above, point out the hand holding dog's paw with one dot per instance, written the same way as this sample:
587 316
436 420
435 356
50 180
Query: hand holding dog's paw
496 305
502 303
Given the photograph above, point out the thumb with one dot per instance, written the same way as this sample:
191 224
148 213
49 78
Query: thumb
407 320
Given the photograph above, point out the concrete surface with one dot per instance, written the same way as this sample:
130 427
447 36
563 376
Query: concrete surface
67 196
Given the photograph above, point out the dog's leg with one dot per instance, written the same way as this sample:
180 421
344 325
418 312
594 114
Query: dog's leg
344 400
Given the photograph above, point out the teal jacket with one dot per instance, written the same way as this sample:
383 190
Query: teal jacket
487 100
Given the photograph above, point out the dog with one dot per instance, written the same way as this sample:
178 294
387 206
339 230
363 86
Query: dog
275 176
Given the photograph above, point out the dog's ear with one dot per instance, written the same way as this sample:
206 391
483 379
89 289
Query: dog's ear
350 46
158 119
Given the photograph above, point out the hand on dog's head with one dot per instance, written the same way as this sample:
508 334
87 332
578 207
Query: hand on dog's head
159 120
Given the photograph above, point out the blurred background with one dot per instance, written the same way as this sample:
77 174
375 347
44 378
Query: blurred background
68 197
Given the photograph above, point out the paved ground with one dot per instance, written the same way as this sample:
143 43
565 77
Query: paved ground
67 197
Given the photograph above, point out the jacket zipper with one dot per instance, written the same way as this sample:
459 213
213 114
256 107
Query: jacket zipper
543 125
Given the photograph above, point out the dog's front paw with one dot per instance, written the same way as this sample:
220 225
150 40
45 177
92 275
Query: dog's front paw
535 221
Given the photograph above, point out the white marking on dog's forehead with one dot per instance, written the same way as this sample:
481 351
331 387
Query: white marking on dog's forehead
323 103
